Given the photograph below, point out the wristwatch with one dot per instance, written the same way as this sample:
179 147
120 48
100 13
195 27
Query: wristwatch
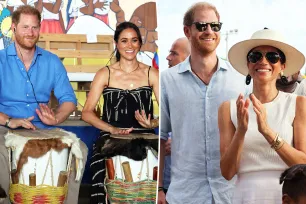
7 122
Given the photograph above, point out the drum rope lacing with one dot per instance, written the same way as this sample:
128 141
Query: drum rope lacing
45 172
141 168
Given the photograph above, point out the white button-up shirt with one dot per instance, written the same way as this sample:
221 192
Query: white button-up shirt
189 109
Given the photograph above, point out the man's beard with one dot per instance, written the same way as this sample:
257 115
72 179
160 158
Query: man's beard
21 42
202 49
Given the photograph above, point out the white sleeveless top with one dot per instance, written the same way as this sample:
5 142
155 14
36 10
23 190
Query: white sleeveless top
257 155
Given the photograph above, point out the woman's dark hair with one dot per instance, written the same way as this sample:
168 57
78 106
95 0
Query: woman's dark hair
294 180
121 27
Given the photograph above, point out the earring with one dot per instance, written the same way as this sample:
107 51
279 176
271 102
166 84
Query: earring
248 79
283 78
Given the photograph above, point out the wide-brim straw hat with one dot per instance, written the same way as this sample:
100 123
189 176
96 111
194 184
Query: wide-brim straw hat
238 53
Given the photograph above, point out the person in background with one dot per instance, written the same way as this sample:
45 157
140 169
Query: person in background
292 84
294 184
179 51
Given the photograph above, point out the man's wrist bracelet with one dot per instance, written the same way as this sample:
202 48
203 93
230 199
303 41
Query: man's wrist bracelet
160 188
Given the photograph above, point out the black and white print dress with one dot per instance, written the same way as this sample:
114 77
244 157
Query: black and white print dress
119 111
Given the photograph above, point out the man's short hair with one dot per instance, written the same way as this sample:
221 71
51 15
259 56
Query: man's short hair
26 9
189 15
294 180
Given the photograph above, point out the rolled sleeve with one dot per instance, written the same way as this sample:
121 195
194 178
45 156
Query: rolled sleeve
62 89
165 125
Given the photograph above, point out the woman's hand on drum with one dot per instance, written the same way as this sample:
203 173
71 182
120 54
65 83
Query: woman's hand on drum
242 114
142 118
118 131
46 115
19 122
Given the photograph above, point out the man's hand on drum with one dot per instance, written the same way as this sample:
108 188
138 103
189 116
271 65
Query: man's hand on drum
19 122
46 115
118 131
142 118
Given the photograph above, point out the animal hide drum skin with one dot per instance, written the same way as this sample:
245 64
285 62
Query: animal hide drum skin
135 149
37 148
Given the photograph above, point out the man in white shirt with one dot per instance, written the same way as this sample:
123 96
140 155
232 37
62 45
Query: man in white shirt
179 51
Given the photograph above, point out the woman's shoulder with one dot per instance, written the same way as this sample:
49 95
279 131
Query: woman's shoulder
148 69
109 68
144 67
103 70
103 73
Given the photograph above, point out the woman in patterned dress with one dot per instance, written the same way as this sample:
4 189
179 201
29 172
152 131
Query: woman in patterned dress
127 87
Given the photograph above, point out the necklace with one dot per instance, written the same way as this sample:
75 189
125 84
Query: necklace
131 85
129 71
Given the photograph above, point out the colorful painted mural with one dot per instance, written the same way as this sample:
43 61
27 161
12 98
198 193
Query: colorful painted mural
89 17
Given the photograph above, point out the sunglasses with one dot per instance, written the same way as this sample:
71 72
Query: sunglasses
201 26
255 56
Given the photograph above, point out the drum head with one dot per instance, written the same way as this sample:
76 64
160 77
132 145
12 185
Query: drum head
40 133
147 136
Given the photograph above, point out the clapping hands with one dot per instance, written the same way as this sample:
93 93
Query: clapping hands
243 114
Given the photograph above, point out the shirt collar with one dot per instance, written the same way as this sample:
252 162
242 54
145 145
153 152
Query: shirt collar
185 65
11 50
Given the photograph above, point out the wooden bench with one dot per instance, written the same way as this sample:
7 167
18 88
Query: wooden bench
78 55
